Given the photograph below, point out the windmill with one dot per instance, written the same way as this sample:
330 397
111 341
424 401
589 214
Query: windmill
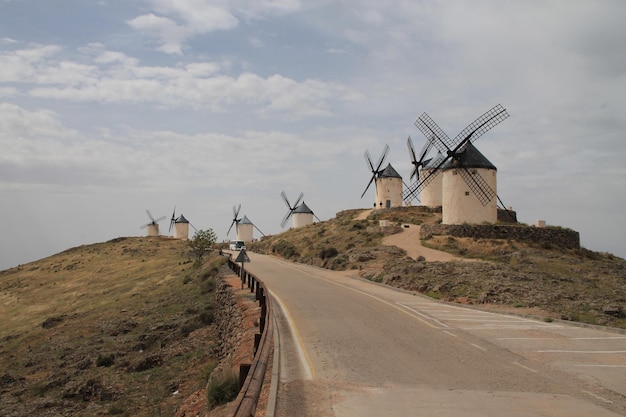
181 226
301 213
465 170
418 164
387 181
152 228
243 227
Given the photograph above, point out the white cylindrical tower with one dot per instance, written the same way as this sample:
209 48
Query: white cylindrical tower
460 204
388 189
302 216
245 229
431 196
181 228
152 229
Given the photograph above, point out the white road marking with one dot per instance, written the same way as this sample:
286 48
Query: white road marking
599 338
479 347
526 338
597 397
600 366
449 333
525 367
302 353
606 352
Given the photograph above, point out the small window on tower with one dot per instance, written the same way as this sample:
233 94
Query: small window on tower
466 192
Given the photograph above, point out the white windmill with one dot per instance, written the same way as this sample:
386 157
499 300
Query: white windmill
301 214
388 182
181 226
152 228
244 228
468 179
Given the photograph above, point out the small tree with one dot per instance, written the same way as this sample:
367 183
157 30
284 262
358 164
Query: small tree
201 244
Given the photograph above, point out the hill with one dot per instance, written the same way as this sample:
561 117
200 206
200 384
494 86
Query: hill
115 328
528 278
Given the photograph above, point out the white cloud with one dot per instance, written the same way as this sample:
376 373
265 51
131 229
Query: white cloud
100 75
166 30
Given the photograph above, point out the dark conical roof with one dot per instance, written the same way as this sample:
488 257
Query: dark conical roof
245 220
389 172
470 157
181 219
303 208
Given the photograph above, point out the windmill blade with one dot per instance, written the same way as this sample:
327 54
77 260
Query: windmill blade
298 200
381 160
236 211
258 230
160 219
508 212
414 189
150 215
231 226
285 199
369 183
173 219
481 125
193 227
408 194
286 218
368 161
409 144
434 133
145 225
478 185
425 149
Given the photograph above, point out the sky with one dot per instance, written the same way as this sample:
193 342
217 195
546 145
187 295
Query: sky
110 107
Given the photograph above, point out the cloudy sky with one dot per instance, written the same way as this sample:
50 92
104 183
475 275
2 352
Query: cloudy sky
109 107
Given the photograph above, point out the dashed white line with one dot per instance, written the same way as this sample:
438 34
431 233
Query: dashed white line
525 367
598 338
600 366
597 397
478 347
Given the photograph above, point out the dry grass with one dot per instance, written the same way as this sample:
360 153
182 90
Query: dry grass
104 329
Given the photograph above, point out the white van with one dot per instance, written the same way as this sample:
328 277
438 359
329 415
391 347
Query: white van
237 245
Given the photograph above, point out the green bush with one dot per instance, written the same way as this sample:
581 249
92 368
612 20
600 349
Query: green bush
222 389
328 253
105 360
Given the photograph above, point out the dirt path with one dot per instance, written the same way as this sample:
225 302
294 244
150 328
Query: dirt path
409 240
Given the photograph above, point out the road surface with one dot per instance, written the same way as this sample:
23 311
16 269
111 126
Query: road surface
349 347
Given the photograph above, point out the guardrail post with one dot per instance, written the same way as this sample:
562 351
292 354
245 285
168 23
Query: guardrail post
257 341
244 368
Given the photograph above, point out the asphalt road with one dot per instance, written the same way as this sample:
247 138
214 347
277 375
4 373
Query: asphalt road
349 347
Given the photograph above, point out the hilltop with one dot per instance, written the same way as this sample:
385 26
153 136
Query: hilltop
540 278
115 328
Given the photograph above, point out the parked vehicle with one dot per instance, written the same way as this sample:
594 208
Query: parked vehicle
237 245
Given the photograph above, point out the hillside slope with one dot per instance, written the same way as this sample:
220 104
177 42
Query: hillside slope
115 328
578 285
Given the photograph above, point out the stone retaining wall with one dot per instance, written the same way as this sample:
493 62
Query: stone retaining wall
228 318
564 238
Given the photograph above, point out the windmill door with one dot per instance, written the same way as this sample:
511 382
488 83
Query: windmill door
388 204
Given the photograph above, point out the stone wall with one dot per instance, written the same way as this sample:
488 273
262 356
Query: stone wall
564 238
228 318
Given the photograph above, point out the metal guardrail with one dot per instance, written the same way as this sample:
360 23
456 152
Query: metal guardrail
246 402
